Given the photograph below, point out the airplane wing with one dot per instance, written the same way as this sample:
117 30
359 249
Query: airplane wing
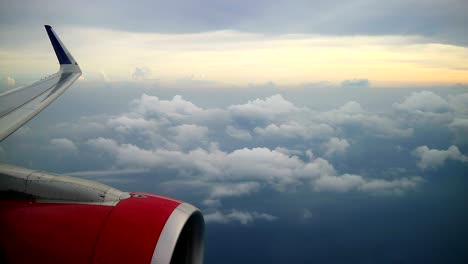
18 106
51 218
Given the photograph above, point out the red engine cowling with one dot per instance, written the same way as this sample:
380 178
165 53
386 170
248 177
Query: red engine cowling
143 228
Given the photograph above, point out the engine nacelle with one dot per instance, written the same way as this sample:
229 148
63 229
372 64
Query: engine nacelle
136 228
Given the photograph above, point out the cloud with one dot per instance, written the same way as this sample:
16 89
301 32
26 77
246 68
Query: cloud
293 152
272 108
424 101
459 103
104 144
425 108
242 171
141 73
224 153
190 136
351 107
355 83
234 189
219 154
242 217
273 119
392 187
128 125
460 128
236 133
270 166
434 158
348 182
63 145
330 18
212 203
292 130
163 121
221 56
336 146
343 183
351 116
176 109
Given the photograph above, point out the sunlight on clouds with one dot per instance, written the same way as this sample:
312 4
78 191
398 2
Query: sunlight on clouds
234 57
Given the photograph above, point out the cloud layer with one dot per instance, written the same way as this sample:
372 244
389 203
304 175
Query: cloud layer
266 145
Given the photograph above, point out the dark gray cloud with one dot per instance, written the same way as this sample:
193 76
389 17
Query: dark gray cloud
440 21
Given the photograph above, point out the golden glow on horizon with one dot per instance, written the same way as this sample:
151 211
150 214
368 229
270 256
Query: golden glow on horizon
238 58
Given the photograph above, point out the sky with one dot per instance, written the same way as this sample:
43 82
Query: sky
242 42
305 131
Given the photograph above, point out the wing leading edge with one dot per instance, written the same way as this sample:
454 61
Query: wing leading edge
19 105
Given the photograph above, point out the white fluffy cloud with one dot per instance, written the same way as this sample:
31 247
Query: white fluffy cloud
189 136
211 203
127 125
234 189
352 114
425 108
176 109
180 124
272 108
242 217
433 158
241 150
243 171
348 182
424 101
336 146
295 130
63 144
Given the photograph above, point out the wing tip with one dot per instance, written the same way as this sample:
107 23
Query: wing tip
59 49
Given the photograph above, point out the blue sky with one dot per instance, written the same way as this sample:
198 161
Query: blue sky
351 160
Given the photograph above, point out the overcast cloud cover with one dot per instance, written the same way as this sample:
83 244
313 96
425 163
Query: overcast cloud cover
441 20
320 171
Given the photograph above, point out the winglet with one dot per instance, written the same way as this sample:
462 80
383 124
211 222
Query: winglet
63 56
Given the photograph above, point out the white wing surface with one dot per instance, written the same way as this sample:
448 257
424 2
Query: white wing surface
18 106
